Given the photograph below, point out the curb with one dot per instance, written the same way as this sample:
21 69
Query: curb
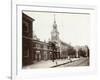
63 63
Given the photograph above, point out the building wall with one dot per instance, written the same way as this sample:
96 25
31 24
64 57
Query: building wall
40 50
44 51
26 39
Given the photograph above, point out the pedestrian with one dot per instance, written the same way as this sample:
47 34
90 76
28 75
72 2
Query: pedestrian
56 63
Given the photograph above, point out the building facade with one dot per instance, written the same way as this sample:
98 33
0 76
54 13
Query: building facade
27 34
43 51
40 50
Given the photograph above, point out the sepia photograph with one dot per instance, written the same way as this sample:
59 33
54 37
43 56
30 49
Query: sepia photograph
55 39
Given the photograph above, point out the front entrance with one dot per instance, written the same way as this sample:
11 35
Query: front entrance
38 56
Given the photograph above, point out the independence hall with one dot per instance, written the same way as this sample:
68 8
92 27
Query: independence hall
35 50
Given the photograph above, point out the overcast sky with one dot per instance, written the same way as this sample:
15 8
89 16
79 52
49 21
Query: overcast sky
73 28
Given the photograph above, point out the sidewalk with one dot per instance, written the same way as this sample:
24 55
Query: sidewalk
50 63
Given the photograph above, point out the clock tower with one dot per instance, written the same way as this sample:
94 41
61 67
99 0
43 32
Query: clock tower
55 33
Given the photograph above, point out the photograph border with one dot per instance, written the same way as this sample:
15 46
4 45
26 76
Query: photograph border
14 56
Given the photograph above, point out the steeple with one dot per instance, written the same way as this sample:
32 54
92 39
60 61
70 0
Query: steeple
55 33
54 24
54 19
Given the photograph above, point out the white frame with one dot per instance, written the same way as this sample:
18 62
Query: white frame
17 71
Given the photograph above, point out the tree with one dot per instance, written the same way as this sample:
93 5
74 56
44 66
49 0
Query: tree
71 52
54 49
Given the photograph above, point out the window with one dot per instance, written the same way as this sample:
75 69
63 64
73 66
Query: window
26 53
34 45
45 46
25 26
37 45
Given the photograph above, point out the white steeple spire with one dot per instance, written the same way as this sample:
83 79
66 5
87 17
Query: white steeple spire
54 24
55 33
54 19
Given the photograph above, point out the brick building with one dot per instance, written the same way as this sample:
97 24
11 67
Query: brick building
27 34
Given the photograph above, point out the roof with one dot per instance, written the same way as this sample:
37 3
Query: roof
64 43
40 42
28 17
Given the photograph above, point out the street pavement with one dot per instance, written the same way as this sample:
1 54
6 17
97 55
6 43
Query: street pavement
49 63
81 62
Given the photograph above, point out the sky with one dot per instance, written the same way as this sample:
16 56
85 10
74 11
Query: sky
73 28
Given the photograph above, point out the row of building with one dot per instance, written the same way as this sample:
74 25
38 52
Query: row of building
34 50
